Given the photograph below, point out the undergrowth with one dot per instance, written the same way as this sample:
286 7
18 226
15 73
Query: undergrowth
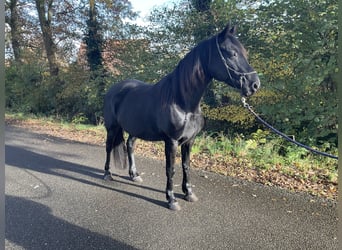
265 152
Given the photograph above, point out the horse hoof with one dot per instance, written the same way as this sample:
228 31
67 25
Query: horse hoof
137 179
108 177
174 206
191 197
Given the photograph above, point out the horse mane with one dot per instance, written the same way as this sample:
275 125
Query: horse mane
189 74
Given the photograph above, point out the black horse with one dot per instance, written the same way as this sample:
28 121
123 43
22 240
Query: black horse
169 110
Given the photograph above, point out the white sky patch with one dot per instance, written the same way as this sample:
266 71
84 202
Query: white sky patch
144 8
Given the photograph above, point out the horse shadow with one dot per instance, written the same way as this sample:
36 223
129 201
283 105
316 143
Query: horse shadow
25 159
42 230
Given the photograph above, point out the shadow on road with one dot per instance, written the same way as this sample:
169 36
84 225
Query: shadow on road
26 159
32 226
23 158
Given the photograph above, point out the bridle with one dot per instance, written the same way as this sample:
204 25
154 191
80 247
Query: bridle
228 68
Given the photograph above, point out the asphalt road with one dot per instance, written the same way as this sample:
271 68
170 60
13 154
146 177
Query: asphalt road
56 199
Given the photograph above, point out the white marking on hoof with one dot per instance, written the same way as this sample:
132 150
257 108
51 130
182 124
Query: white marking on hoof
108 177
137 179
174 206
191 198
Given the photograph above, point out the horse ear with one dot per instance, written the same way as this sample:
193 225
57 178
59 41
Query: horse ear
233 30
228 30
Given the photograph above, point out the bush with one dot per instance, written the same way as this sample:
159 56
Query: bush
26 89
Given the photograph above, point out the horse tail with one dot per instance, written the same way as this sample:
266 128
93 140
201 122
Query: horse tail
119 150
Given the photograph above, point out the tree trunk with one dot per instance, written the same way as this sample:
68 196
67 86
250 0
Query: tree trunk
45 16
13 21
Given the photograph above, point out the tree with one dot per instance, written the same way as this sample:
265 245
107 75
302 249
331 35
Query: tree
45 10
14 23
99 13
299 66
202 9
93 39
56 28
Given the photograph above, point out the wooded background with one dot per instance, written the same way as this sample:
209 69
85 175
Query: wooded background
62 56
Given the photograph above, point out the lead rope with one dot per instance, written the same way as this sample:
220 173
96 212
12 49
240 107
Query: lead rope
246 105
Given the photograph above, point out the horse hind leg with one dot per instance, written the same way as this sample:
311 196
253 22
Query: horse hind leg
109 147
115 143
133 174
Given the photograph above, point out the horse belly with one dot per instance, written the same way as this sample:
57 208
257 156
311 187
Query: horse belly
137 118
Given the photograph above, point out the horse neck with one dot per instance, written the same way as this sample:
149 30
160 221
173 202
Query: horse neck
190 79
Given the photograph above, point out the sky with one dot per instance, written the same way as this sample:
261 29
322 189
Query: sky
145 6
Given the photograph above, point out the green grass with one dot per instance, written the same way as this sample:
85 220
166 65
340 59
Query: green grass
265 154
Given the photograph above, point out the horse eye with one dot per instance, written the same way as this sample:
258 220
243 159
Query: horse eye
232 54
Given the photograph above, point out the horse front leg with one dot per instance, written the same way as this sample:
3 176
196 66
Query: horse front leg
170 155
186 186
133 174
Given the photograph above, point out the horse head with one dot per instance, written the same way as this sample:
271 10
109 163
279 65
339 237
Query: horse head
229 64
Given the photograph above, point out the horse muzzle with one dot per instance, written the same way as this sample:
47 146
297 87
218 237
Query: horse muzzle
249 85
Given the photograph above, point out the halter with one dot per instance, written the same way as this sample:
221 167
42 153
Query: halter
228 68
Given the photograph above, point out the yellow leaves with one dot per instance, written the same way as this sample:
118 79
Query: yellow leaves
251 144
230 113
276 67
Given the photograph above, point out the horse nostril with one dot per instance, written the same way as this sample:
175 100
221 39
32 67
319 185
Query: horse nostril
255 86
